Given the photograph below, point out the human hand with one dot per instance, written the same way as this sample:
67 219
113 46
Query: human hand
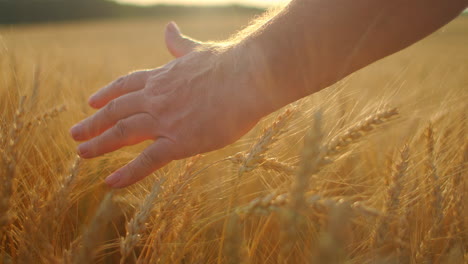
194 104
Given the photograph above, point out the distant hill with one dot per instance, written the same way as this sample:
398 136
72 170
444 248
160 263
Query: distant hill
36 11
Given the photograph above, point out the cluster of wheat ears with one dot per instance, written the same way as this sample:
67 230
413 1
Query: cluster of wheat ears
418 218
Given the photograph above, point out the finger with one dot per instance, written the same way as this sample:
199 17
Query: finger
178 44
106 117
152 158
125 132
123 85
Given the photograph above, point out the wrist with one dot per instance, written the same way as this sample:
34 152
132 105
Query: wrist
234 68
258 60
249 66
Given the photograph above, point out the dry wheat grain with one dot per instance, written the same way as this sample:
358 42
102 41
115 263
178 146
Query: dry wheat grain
382 233
137 224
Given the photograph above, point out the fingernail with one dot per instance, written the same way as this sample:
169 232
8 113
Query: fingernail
174 26
113 179
82 150
75 130
92 100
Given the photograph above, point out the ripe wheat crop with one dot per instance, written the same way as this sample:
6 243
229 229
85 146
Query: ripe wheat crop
371 170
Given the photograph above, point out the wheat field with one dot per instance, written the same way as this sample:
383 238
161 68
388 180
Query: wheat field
370 170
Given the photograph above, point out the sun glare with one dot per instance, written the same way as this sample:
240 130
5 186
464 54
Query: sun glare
262 3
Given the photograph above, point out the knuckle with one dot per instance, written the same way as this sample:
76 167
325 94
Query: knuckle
179 154
154 124
154 91
157 106
120 80
173 150
159 84
121 129
119 84
146 160
132 171
110 108
141 74
124 81
153 85
133 76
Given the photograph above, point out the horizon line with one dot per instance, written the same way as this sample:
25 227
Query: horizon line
170 3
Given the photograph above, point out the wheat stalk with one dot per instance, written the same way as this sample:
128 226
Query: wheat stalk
433 176
234 248
455 209
310 164
424 254
83 249
179 186
381 233
255 156
332 242
252 159
9 163
137 225
311 161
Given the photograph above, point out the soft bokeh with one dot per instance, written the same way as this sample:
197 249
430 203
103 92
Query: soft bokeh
262 3
388 196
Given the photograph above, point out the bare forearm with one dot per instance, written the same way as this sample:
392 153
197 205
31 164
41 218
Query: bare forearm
312 44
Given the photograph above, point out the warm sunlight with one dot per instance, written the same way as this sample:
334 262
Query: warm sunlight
233 131
262 3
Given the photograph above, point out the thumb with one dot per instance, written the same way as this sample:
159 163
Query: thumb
178 44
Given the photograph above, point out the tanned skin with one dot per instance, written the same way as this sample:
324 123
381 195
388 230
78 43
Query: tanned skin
212 94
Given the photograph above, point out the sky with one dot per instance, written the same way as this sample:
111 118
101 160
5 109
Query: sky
261 3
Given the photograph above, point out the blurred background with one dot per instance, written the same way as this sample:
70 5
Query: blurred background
30 11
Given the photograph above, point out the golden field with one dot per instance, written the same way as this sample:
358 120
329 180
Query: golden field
340 177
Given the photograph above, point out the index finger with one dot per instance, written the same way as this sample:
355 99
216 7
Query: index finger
129 83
